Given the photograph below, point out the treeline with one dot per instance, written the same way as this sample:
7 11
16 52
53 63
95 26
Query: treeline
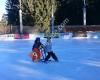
73 10
39 12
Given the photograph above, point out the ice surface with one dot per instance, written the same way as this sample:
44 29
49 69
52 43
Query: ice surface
79 59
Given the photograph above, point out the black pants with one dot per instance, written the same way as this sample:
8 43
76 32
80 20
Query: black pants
51 54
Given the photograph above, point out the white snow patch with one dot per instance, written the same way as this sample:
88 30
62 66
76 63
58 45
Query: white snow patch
95 37
80 37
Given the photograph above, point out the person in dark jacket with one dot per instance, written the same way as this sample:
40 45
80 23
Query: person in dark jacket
48 50
36 50
37 44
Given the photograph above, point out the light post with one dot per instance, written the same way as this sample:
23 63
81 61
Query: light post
84 12
84 15
52 18
20 18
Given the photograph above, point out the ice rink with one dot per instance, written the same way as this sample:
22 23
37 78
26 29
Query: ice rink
79 59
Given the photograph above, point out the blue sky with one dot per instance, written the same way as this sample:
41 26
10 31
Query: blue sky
2 7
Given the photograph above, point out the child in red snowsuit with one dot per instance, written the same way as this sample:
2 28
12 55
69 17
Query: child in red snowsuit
36 54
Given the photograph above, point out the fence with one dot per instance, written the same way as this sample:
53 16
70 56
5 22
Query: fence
82 28
68 35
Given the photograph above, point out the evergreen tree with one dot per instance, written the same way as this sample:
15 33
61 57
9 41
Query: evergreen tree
93 12
12 7
38 12
71 9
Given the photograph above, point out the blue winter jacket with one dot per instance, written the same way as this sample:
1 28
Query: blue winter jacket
48 46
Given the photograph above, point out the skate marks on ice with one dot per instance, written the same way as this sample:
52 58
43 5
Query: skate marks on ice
29 73
95 63
27 62
88 62
30 62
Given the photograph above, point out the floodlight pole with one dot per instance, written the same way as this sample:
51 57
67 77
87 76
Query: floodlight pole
84 13
52 18
20 18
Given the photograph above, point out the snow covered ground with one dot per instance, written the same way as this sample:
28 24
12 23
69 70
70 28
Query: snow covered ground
79 59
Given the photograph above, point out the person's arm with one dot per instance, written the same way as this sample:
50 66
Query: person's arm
33 46
41 46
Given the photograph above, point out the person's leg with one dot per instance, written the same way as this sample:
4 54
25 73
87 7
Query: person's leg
48 56
54 56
